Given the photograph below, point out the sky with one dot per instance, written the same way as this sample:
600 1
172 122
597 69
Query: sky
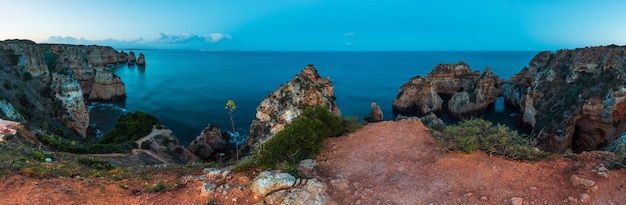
319 25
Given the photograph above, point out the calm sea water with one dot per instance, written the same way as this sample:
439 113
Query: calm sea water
188 89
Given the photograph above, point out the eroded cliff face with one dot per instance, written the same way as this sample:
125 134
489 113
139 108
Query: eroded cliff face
69 92
287 102
572 98
92 67
28 57
468 93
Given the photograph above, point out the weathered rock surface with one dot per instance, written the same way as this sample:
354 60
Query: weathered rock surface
468 93
92 67
267 182
572 98
283 189
29 57
287 102
417 96
141 60
376 115
132 59
210 141
69 92
165 147
9 111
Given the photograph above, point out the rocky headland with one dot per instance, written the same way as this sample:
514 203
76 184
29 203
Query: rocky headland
449 88
572 99
64 78
287 102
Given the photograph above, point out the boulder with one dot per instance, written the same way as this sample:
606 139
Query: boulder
311 193
10 112
376 115
267 182
210 141
572 99
286 103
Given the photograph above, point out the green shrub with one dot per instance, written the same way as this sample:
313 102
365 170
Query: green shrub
620 161
157 187
478 134
130 127
41 156
302 138
98 164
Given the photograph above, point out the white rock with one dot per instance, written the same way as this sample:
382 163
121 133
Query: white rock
584 198
267 182
517 201
581 182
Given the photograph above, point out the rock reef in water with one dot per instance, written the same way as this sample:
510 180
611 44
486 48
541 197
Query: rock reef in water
468 93
287 102
572 98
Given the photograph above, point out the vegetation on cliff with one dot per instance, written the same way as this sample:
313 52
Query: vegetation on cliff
478 134
301 139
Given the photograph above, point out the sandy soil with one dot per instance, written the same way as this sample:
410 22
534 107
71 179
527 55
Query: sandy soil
383 163
399 163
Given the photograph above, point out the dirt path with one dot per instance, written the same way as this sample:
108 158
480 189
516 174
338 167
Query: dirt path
399 163
382 163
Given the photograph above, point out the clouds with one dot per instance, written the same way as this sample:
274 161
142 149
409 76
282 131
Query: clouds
349 34
191 38
83 41
162 41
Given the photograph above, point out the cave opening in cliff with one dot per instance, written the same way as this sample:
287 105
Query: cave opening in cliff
586 137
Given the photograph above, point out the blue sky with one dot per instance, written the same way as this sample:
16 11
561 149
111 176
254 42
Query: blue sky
300 25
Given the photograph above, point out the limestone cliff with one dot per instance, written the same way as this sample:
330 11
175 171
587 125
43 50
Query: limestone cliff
28 57
287 102
468 93
69 92
92 67
573 98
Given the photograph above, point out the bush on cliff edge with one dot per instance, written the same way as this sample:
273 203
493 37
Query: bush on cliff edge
130 127
303 138
478 134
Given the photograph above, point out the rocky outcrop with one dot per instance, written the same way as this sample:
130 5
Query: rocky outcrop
287 102
210 141
106 86
468 93
162 145
10 112
141 60
28 56
572 98
376 115
92 67
69 92
132 59
417 96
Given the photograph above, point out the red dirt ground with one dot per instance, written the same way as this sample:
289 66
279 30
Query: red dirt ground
382 163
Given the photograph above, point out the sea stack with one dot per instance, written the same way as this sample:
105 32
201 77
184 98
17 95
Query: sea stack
141 60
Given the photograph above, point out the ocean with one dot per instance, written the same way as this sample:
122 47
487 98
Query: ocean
188 89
